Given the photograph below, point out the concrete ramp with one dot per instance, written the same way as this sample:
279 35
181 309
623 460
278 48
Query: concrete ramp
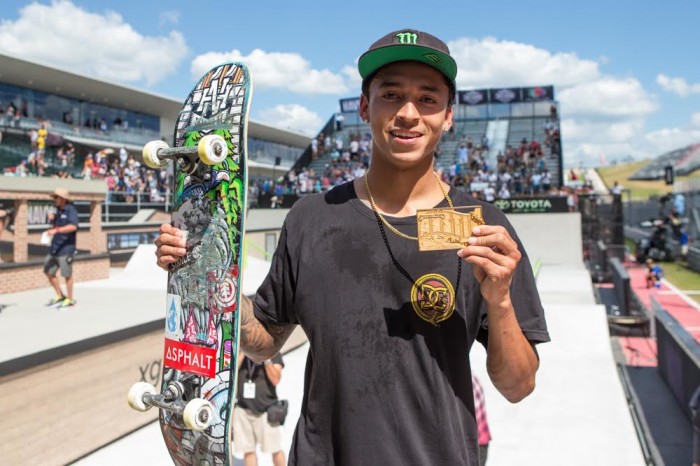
578 414
554 239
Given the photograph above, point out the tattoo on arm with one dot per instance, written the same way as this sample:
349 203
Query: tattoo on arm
259 341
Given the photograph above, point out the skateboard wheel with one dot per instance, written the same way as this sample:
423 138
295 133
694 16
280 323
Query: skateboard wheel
150 154
198 414
212 149
136 394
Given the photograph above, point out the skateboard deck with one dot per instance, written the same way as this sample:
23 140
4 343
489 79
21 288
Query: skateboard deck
202 306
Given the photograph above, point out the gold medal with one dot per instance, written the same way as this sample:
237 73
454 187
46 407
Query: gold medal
447 228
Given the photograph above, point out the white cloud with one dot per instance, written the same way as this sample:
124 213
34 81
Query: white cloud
352 76
677 85
293 117
101 45
607 98
289 71
493 63
695 120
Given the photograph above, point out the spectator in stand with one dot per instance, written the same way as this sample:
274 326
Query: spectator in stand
123 155
339 118
504 192
485 142
314 149
462 154
546 181
21 169
535 180
87 166
41 137
354 150
489 193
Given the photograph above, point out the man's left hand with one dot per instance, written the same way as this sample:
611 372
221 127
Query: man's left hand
494 256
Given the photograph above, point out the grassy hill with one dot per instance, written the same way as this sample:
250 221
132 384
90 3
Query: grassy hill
640 189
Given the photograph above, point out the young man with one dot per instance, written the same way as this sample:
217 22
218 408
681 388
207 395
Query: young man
62 249
390 327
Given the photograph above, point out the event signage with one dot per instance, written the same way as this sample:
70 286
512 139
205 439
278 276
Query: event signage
350 105
505 95
40 212
532 205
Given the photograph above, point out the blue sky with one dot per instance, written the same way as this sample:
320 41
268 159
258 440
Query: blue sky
625 72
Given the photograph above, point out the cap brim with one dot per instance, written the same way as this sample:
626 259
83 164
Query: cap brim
374 59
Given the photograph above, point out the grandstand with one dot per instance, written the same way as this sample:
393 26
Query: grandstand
94 115
505 130
684 161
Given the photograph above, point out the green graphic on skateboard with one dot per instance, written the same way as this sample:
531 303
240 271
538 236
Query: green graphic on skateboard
204 287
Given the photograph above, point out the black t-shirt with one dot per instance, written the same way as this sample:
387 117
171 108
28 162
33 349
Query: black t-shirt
382 385
265 392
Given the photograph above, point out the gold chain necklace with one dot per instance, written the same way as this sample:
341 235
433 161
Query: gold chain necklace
389 225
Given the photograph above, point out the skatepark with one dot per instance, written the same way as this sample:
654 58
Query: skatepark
578 414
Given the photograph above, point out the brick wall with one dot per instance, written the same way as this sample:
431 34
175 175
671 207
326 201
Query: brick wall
30 275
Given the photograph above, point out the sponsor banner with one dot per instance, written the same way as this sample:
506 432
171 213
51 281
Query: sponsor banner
506 95
350 105
185 357
476 97
531 94
532 205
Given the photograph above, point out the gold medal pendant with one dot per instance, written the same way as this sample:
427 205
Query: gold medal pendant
433 298
447 228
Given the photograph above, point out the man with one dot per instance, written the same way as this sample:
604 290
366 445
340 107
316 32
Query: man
256 393
617 189
64 231
390 327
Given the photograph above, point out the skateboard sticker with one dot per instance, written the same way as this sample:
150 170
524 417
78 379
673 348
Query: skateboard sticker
172 319
198 360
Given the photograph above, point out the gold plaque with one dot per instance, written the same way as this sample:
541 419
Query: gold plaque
447 228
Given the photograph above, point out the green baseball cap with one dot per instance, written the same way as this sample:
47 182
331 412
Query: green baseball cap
411 45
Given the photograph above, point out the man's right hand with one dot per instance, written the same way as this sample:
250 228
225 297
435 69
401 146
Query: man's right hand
170 246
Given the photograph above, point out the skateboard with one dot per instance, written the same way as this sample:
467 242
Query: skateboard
202 321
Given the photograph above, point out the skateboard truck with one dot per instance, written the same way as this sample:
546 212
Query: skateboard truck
197 413
211 149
